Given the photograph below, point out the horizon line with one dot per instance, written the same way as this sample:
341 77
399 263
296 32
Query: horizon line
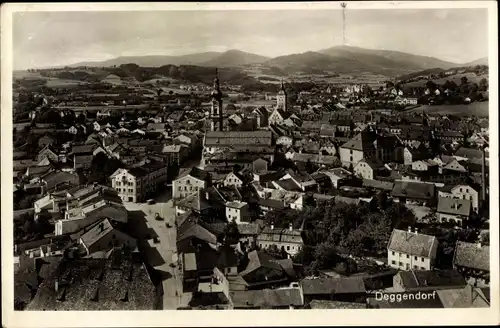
253 53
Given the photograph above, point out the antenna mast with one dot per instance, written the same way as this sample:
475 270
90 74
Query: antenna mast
343 5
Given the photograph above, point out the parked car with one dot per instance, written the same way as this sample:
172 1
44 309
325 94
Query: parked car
168 225
158 217
150 201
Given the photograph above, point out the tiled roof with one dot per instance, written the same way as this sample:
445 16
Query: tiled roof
267 298
257 259
413 190
249 229
195 173
230 138
99 230
280 235
425 279
454 206
472 256
331 286
96 284
324 305
196 201
467 297
362 141
378 184
468 153
275 204
416 244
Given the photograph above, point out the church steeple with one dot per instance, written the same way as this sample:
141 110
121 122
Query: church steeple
281 97
216 116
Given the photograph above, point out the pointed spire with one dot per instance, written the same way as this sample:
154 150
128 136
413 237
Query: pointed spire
216 80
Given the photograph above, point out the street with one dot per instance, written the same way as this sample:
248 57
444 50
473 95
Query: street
161 254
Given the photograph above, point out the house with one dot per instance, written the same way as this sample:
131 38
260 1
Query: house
262 115
278 116
413 192
472 261
233 179
237 211
423 280
249 232
178 153
57 180
368 169
48 152
197 202
282 298
189 181
104 236
463 191
87 209
453 210
465 297
408 250
88 284
368 144
45 141
136 184
267 205
264 271
288 239
337 176
351 289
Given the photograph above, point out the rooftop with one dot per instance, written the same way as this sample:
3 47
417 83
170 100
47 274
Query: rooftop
415 244
454 206
267 298
116 283
472 256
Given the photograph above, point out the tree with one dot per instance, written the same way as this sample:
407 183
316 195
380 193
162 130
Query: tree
231 233
483 85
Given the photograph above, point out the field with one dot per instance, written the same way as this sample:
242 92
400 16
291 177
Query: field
471 77
479 109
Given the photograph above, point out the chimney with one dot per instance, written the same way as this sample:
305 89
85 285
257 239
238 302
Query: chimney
56 286
479 245
409 229
272 225
290 226
416 231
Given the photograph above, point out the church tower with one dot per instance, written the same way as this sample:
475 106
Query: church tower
281 98
216 118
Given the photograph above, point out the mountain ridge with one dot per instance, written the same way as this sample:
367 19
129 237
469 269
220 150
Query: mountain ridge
339 59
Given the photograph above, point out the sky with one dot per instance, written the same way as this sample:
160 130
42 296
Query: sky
44 39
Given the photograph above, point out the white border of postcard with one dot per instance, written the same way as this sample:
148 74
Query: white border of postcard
237 317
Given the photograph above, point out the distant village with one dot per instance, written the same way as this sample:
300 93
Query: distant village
150 196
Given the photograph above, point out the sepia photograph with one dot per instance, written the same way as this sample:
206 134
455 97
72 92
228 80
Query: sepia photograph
266 156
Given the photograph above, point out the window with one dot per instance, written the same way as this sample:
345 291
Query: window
407 256
415 267
400 263
416 258
393 253
180 188
130 199
422 259
288 248
423 268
